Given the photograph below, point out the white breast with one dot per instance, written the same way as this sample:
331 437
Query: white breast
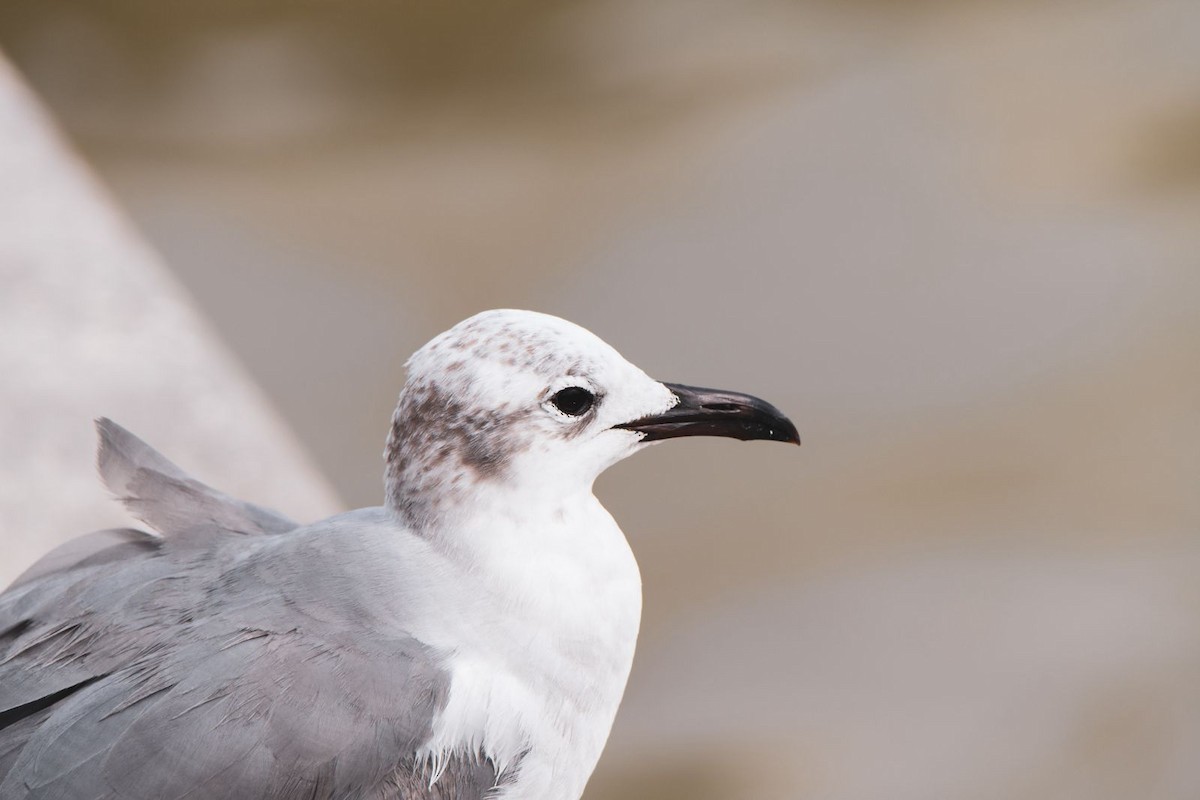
542 624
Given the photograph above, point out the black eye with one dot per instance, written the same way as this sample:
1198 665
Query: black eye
574 401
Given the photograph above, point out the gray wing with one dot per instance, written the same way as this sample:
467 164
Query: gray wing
55 612
161 495
245 714
211 664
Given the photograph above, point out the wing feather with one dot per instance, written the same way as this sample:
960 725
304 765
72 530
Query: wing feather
166 498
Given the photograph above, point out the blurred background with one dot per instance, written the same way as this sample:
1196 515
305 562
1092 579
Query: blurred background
958 241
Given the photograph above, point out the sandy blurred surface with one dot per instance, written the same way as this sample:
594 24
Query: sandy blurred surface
956 241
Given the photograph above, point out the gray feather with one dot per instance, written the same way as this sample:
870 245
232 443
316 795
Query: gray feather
164 497
212 664
89 550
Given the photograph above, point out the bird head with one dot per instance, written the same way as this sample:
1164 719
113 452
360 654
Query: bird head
535 402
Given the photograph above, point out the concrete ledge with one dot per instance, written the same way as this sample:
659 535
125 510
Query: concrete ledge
92 325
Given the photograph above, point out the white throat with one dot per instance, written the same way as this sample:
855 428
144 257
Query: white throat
542 630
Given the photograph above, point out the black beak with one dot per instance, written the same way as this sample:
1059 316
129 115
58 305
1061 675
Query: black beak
714 412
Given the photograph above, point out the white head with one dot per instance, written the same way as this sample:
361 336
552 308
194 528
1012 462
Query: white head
540 404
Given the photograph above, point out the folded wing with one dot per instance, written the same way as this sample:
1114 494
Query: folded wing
207 662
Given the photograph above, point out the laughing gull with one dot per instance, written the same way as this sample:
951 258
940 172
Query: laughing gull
470 638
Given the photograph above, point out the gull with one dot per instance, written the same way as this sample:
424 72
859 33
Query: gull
469 638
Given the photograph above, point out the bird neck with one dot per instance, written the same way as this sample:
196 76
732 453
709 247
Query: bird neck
440 493
482 520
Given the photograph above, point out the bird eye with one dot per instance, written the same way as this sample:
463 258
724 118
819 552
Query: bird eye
574 401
